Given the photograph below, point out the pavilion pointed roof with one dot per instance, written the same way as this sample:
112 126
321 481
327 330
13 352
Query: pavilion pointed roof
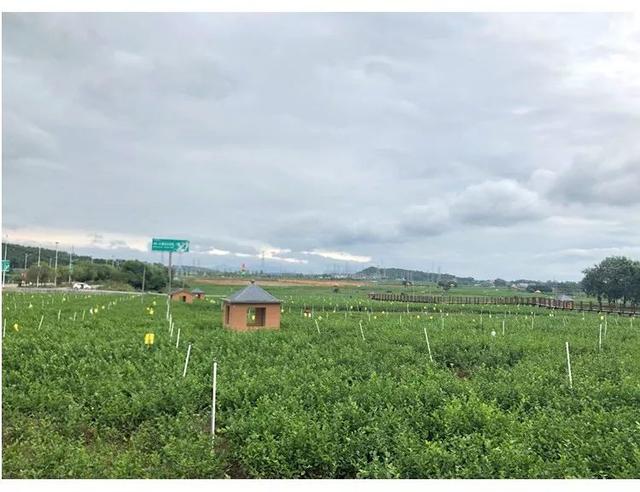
252 294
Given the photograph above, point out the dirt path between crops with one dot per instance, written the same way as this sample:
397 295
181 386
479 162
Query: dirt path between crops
283 283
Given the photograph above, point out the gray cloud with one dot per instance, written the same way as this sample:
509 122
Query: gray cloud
417 140
498 203
602 180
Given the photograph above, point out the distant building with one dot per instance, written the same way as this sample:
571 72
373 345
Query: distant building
182 295
251 308
198 293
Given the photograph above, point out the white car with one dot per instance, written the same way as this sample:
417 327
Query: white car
81 285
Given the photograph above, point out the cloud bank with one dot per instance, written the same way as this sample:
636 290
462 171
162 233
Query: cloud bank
480 144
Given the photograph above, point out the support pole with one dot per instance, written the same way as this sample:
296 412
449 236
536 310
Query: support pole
569 365
170 273
186 361
213 400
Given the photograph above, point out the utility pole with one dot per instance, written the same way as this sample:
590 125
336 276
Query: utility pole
170 272
38 275
55 270
26 255
144 274
5 257
70 263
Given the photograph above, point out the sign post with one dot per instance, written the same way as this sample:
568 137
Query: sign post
6 264
171 246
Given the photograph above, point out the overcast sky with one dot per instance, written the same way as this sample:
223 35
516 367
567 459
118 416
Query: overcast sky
486 145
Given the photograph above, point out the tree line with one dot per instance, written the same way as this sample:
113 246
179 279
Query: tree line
616 279
129 272
118 273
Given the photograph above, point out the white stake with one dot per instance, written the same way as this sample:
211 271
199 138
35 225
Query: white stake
83 315
74 315
171 332
317 327
503 327
600 337
59 310
213 400
178 338
361 332
569 365
186 361
369 314
40 324
426 337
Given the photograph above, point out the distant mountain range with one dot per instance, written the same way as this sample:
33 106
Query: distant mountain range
375 273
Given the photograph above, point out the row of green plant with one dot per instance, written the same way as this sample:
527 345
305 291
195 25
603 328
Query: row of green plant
340 394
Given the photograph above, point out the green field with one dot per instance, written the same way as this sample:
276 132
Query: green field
86 398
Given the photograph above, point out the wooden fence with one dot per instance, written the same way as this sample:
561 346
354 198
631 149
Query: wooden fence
545 302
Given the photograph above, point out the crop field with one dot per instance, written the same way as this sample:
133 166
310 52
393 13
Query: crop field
355 389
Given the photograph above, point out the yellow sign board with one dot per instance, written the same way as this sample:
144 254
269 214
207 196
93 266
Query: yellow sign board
148 339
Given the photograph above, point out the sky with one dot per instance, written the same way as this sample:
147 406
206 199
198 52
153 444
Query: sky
486 145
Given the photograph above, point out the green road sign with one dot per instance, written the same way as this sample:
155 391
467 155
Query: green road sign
170 245
6 264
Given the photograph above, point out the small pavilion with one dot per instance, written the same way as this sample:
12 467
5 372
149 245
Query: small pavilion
251 308
198 293
182 295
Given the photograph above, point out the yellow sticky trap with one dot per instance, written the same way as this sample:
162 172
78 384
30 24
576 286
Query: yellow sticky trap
148 339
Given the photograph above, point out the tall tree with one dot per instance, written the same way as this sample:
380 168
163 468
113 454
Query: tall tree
614 278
